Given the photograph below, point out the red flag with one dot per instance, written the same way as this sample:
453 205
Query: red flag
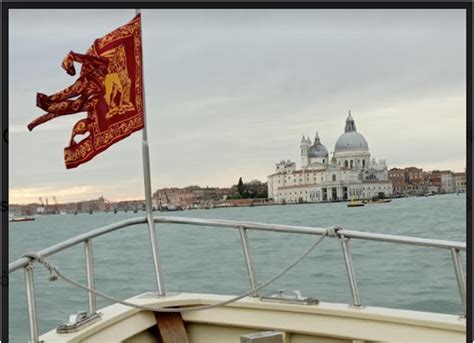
109 89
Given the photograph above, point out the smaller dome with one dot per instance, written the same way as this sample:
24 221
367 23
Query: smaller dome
318 149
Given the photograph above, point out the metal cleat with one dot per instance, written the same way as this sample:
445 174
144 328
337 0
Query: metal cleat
297 298
77 322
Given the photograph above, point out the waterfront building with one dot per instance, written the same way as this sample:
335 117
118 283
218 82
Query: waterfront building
460 182
447 182
433 180
174 196
407 181
208 193
350 173
188 197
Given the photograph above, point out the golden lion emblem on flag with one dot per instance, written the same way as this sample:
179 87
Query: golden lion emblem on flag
117 83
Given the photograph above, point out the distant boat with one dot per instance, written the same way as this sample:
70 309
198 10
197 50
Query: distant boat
355 203
430 194
378 201
21 219
171 208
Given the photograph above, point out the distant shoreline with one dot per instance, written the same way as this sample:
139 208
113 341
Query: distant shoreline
225 205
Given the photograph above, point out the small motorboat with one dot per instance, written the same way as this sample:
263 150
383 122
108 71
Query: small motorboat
21 219
378 201
355 203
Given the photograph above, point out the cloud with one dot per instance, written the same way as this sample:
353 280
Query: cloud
22 195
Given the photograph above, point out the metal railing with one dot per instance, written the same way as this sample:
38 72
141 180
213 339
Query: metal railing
343 235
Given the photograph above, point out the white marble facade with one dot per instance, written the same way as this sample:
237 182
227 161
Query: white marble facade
349 174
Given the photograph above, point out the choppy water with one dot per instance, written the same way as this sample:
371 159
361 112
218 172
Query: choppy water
210 260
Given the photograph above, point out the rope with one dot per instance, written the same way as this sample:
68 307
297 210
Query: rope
55 273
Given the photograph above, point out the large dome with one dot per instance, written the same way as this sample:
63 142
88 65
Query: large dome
317 149
351 139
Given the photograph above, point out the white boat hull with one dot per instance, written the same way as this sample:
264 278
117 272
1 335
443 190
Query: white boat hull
322 323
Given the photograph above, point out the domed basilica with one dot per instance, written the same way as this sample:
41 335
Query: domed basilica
349 174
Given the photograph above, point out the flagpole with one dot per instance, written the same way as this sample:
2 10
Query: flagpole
147 180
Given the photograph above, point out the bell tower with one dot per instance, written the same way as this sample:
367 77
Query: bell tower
304 146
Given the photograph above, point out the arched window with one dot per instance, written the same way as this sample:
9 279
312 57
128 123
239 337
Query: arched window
352 164
363 163
334 176
346 164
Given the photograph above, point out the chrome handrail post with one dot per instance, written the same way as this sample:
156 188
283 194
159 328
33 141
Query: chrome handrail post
350 270
463 279
90 275
31 301
248 258
160 288
147 185
459 276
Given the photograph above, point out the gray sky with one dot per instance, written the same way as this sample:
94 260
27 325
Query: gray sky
230 92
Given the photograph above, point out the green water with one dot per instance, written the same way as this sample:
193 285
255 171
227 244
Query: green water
210 260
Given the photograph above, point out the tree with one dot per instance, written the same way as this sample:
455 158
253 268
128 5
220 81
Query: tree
240 187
